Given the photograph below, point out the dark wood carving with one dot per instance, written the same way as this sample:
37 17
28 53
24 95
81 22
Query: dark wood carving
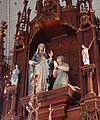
88 73
69 17
63 30
4 68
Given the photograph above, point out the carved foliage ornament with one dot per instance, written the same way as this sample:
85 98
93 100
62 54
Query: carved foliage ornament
98 111
3 26
20 38
85 20
84 4
22 24
83 115
33 105
91 110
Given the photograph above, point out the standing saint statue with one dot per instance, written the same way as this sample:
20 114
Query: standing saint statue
85 53
40 65
60 72
15 75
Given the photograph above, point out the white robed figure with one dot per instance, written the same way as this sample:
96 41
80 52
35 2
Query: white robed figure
40 65
85 53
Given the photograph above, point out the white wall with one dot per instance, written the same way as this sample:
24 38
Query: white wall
96 7
3 10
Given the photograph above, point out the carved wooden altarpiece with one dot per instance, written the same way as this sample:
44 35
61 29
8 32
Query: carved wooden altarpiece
63 30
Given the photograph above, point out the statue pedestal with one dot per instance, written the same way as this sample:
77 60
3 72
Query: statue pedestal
12 93
89 104
58 100
88 72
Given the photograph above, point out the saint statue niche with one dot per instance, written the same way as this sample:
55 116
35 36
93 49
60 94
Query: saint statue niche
40 65
60 73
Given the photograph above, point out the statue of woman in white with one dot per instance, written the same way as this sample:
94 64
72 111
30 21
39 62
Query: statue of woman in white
85 53
40 65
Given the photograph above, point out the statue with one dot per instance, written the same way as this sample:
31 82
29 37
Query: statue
15 75
85 53
60 73
40 65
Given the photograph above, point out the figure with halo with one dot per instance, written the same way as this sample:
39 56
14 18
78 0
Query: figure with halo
60 73
15 75
40 65
85 53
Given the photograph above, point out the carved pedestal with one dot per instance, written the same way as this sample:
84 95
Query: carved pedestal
88 74
12 93
89 104
89 109
58 100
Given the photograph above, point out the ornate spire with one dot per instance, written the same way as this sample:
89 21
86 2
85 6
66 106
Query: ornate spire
22 25
33 105
84 4
87 13
48 7
3 27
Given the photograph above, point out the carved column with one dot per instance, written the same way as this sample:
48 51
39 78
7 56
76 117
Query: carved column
33 105
88 72
12 90
69 3
58 8
90 4
39 6
90 83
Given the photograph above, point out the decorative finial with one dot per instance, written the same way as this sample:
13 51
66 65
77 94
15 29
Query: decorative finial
50 112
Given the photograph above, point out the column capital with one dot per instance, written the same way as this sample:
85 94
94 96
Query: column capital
86 69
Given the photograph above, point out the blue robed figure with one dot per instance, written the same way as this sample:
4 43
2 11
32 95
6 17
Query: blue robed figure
15 76
40 65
